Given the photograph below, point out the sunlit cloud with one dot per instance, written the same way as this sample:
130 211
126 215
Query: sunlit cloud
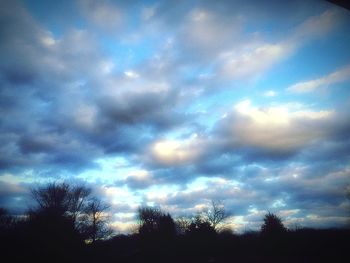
176 152
277 128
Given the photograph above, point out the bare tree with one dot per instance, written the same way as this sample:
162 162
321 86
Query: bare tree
94 221
61 200
182 224
53 199
64 203
216 214
6 220
79 195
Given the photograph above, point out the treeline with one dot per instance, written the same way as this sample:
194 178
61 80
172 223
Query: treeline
68 224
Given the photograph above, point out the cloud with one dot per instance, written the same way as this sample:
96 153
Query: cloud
77 106
138 180
338 76
13 195
270 93
103 14
176 152
259 56
205 32
253 62
280 130
317 26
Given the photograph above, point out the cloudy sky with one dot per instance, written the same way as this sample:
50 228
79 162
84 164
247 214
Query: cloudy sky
176 103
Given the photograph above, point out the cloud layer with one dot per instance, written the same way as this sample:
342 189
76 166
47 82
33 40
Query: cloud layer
177 104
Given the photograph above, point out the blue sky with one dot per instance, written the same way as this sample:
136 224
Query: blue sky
177 103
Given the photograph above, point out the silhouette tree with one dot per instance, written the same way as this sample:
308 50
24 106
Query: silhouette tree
53 199
60 200
166 227
78 196
182 224
148 219
201 227
216 214
272 225
55 217
94 221
70 207
154 222
6 220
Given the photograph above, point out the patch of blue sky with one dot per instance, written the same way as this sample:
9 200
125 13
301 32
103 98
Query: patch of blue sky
338 94
56 16
110 169
321 57
128 55
307 65
195 72
31 176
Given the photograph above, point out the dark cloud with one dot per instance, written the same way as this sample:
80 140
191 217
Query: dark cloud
62 118
17 77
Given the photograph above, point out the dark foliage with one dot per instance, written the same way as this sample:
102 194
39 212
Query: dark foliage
272 225
201 228
155 223
6 220
50 235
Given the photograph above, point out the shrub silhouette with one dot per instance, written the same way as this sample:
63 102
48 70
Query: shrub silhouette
272 225
154 222
166 228
200 227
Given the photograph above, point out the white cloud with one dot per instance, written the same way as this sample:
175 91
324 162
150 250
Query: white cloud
257 57
270 93
131 74
175 152
206 33
276 128
338 76
253 62
106 67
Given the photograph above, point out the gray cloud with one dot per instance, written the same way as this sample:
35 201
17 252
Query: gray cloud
14 197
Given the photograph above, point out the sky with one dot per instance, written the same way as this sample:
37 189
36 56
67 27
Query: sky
177 103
